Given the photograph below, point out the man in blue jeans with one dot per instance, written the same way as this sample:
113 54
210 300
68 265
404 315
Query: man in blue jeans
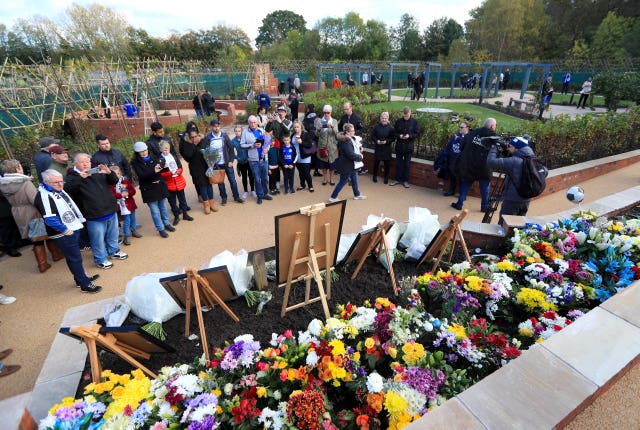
220 141
63 221
257 143
91 191
407 131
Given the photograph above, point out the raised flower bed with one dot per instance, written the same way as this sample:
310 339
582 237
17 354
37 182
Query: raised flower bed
383 364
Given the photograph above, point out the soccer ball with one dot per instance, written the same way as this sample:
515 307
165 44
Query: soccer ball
575 194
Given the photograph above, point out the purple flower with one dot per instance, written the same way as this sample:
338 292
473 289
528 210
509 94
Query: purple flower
207 423
423 381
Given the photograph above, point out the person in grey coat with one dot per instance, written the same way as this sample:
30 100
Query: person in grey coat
512 203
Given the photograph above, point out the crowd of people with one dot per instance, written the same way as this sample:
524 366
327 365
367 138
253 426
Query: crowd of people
90 205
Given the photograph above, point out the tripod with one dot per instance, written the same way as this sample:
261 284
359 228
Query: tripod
495 198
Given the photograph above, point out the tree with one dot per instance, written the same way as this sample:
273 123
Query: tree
141 45
340 36
96 30
39 34
608 41
439 36
276 25
406 38
374 45
458 52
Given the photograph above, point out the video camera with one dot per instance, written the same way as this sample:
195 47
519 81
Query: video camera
501 142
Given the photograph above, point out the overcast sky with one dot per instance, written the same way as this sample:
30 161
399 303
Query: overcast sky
160 17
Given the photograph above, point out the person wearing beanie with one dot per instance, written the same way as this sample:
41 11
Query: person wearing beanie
517 148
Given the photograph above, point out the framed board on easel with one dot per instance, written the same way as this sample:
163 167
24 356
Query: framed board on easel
195 288
125 342
452 233
306 245
366 242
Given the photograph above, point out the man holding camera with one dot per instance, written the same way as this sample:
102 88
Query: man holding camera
517 148
108 156
90 189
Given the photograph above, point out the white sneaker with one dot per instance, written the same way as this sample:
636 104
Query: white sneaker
105 265
253 193
244 195
332 200
120 255
360 197
6 300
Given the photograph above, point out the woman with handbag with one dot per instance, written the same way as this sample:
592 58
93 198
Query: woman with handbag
191 150
305 147
21 193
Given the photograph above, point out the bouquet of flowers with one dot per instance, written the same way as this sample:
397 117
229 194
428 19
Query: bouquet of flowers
212 157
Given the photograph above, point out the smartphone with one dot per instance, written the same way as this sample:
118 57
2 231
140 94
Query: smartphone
93 171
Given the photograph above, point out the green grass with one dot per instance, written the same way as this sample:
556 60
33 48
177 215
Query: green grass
505 122
443 92
564 99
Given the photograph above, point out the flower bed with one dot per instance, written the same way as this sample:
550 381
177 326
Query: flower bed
382 364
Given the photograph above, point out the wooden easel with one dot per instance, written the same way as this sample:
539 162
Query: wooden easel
92 337
377 238
453 234
194 284
311 260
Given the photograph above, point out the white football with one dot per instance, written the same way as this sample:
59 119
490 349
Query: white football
575 194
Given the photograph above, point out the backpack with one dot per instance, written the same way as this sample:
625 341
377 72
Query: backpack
533 181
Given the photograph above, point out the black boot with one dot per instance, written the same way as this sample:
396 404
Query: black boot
186 216
176 219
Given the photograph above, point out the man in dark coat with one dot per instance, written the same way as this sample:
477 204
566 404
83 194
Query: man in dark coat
472 164
109 156
91 191
406 131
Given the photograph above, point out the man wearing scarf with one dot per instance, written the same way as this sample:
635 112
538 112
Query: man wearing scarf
63 221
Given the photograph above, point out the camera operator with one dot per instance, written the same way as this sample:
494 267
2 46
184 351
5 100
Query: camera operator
511 166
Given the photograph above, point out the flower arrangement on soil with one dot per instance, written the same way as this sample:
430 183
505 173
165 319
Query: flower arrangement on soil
381 364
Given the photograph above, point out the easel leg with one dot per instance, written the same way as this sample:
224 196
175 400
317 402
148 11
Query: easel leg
328 258
292 265
96 367
203 334
385 244
318 278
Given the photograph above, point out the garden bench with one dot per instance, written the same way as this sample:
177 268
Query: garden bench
529 106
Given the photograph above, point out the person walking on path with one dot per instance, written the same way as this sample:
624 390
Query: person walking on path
348 163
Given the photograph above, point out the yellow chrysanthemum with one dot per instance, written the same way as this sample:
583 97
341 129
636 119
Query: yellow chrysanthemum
412 352
338 347
506 266
261 392
534 300
458 330
473 283
393 352
369 343
527 332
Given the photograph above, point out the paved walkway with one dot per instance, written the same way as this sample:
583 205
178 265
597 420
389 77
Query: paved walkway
30 324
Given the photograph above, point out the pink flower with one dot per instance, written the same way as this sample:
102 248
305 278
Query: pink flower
161 425
288 334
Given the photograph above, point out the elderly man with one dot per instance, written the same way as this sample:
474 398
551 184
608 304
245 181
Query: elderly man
42 160
406 131
91 190
109 156
257 143
63 220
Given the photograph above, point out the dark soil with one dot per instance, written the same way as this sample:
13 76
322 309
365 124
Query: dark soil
373 281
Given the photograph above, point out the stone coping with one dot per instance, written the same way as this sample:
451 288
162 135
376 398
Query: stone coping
570 358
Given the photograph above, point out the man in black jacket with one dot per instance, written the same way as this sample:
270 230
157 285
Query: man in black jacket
109 156
407 131
91 191
153 142
472 164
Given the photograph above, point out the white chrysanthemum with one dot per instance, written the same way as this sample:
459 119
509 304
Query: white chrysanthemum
244 338
416 401
187 385
165 410
460 267
277 395
305 338
312 359
563 265
228 388
203 411
315 327
336 327
363 319
375 382
271 419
